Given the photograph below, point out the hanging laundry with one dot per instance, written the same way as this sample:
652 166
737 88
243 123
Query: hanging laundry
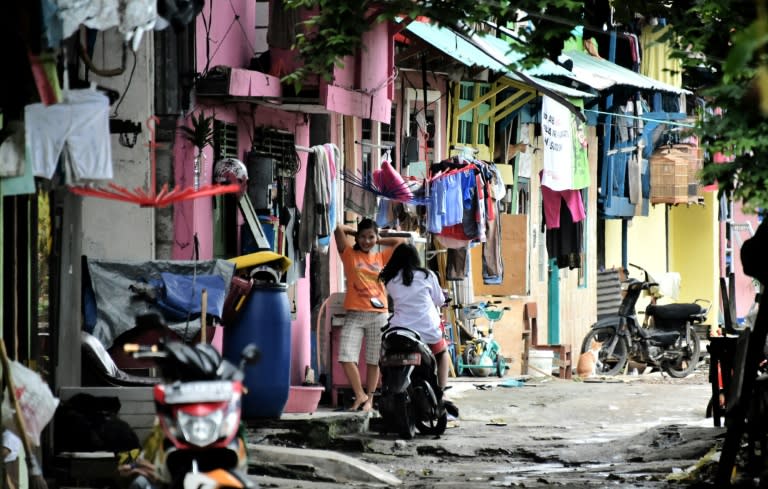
12 151
581 178
552 202
564 241
359 200
319 206
558 146
563 219
131 17
329 154
457 264
634 179
390 183
78 127
63 17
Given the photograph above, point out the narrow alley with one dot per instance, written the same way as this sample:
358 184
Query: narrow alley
626 431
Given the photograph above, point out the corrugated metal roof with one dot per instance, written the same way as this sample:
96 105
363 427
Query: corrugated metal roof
556 87
454 46
501 50
600 74
492 53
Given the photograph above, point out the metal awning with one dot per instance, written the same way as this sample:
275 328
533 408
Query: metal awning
494 54
602 74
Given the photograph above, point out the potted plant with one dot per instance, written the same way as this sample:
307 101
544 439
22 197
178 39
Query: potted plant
200 135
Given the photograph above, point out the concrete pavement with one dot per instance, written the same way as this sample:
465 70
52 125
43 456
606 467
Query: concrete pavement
512 430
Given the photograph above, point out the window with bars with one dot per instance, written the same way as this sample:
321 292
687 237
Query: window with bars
224 139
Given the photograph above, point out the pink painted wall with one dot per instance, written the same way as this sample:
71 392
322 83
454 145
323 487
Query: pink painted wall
194 217
197 216
375 64
230 41
223 39
745 290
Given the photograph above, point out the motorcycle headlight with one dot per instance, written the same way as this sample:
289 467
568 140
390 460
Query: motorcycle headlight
201 430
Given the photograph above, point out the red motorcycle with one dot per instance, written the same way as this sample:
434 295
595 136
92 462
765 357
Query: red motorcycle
198 407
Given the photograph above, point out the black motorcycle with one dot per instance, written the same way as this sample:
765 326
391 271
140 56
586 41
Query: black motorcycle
666 339
411 397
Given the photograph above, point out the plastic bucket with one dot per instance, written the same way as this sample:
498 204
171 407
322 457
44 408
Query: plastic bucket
266 321
540 362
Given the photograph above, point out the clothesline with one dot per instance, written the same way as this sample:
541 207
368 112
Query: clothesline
371 145
646 119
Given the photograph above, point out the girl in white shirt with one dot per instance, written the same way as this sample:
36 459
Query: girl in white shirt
417 297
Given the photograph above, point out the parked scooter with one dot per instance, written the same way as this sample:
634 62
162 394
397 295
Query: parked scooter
665 340
198 407
411 397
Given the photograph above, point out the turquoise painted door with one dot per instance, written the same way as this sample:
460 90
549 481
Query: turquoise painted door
553 304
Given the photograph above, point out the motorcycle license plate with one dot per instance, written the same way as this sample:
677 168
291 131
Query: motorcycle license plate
201 391
395 359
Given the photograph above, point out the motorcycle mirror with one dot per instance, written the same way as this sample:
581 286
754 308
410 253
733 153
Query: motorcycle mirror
250 354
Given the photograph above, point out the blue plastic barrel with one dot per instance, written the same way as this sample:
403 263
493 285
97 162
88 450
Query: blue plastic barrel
266 321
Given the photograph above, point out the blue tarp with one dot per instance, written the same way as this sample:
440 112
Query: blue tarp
172 288
180 296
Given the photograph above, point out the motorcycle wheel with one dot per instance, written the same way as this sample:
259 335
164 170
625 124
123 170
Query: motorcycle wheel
691 352
406 421
435 426
613 354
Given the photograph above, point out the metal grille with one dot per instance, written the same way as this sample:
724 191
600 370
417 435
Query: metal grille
224 139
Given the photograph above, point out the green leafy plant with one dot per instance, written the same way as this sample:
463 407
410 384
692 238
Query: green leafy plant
336 27
201 132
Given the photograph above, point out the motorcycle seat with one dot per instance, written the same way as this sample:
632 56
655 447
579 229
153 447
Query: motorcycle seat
407 332
674 311
105 366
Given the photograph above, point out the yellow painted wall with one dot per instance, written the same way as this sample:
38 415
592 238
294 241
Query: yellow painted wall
693 245
612 243
645 241
646 245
